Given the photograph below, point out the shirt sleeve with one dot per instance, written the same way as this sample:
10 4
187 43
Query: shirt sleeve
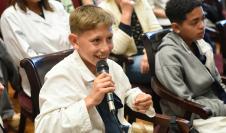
60 106
123 43
125 28
172 77
62 13
14 39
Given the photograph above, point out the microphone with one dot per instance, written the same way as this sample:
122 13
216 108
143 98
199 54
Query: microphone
101 67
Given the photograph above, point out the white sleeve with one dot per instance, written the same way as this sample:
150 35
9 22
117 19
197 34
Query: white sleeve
122 41
73 118
151 3
130 98
1 121
62 13
14 39
62 107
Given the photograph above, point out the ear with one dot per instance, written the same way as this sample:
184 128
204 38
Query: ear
176 27
73 38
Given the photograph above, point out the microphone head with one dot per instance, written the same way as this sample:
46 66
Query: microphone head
102 66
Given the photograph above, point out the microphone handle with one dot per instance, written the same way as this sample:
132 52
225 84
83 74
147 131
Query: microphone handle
110 100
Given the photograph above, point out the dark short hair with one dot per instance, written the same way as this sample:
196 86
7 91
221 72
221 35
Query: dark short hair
176 10
23 4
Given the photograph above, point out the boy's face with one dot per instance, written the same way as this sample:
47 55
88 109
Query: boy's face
93 45
193 27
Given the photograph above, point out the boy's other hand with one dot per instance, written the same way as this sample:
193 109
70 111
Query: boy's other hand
142 102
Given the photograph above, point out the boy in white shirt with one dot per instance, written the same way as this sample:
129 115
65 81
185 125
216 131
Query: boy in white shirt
73 92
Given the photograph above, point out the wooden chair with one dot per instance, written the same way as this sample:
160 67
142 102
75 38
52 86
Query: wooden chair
161 123
36 68
151 42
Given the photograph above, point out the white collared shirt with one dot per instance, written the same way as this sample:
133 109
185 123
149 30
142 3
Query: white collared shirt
62 96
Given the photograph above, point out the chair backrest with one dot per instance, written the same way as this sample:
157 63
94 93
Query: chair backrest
151 43
36 68
153 38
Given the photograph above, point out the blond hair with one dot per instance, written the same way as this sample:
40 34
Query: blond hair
88 17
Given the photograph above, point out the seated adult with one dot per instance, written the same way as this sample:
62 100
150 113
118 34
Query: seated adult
73 97
33 27
185 65
158 7
132 19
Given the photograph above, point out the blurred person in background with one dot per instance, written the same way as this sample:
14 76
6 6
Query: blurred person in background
8 74
132 19
158 7
34 27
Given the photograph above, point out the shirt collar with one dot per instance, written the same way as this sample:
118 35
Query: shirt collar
87 75
32 15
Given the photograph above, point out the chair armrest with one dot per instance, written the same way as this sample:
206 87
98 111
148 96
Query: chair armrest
184 125
163 121
160 120
187 105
